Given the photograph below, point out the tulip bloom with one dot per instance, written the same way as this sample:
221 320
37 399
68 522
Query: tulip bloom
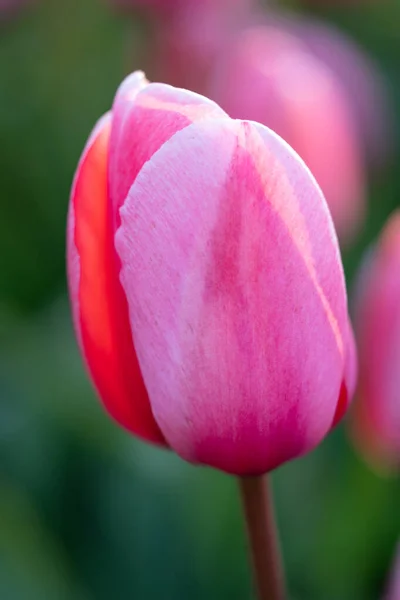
269 75
376 416
206 283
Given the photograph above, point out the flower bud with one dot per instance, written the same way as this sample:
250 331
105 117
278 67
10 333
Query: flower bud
206 283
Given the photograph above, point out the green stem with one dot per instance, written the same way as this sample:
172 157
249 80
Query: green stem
262 536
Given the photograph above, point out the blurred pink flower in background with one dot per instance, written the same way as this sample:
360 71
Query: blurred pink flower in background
375 423
191 34
362 81
205 246
268 75
8 7
187 44
393 588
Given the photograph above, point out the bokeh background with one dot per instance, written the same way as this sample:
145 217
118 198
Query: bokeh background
86 512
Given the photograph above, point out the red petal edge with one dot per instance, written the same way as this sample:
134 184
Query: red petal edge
105 333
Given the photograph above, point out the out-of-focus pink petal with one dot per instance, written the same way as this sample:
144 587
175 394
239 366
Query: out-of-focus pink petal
187 45
376 416
393 590
361 79
362 82
237 301
269 76
96 294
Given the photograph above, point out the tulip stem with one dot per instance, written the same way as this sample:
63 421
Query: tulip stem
262 536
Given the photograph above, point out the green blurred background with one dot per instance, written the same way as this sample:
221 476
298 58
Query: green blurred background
86 512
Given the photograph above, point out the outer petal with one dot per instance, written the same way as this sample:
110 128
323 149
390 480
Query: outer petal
73 260
97 297
236 296
376 417
269 76
145 116
329 280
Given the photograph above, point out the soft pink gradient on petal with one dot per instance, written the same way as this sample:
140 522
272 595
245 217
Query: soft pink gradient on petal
96 294
237 302
376 416
269 76
145 116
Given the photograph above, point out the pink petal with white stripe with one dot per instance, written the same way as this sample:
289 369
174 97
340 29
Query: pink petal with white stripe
236 296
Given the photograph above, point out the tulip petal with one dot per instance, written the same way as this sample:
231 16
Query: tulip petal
144 118
237 314
99 307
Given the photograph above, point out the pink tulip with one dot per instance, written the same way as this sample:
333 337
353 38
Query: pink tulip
376 417
269 75
203 246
